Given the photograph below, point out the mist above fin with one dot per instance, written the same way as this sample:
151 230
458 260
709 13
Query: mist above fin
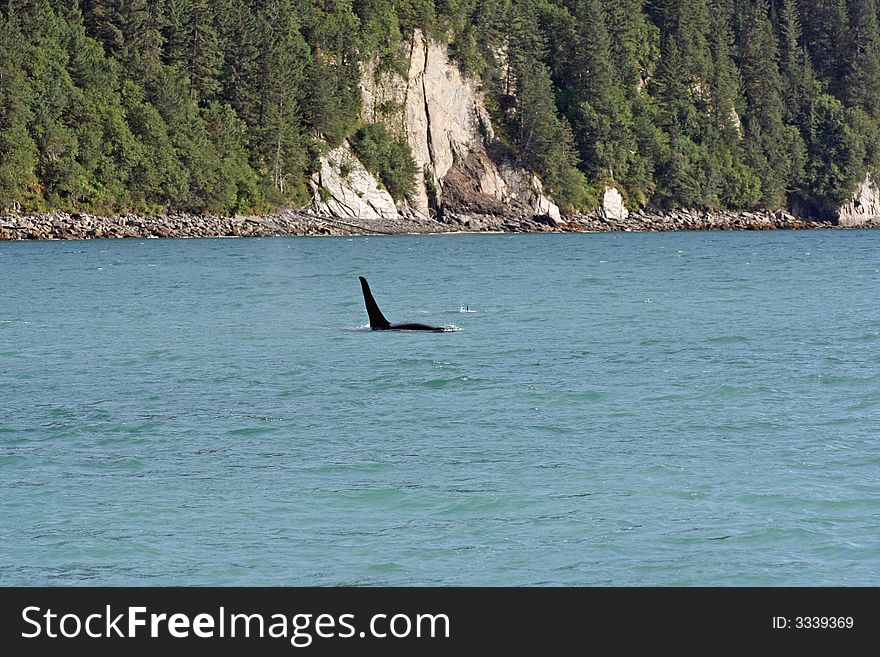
377 319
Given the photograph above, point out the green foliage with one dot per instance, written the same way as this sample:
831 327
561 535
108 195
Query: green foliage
226 106
769 149
381 33
546 143
158 179
387 157
331 102
863 73
237 183
18 151
836 152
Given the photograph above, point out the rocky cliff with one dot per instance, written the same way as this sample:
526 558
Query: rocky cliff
464 171
466 175
863 209
345 189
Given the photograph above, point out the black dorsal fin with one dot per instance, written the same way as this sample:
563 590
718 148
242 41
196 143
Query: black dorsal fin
377 319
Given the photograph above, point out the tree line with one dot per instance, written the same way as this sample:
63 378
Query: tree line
224 106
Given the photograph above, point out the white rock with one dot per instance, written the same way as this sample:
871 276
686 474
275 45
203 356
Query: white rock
613 206
445 120
524 187
864 206
344 188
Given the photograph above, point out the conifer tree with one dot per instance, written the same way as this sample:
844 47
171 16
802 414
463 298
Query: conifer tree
771 146
281 64
192 44
863 71
597 104
826 32
102 20
240 78
332 101
686 90
18 152
800 86
545 140
836 155
223 106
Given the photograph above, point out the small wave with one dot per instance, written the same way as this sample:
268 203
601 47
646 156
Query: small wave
591 280
728 339
833 379
246 431
865 337
864 404
365 328
653 342
442 383
358 329
581 395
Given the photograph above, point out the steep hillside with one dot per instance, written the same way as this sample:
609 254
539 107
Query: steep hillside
440 109
462 169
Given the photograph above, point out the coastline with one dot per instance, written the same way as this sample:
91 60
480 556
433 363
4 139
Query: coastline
62 225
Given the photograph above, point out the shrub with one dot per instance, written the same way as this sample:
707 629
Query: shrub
387 157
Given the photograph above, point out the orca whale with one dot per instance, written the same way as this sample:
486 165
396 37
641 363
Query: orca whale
378 321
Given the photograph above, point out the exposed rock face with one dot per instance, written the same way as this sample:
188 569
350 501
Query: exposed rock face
523 188
440 111
344 188
864 208
463 169
612 205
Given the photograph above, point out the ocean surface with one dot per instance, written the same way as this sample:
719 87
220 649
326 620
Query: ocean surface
616 409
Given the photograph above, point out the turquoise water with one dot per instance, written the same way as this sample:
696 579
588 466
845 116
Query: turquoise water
620 409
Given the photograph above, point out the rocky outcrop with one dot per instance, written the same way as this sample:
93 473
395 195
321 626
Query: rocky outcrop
613 207
864 207
440 117
862 210
344 188
463 170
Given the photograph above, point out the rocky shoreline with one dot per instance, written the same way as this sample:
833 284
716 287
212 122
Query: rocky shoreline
60 225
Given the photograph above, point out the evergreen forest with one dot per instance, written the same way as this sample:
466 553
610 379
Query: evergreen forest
224 106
